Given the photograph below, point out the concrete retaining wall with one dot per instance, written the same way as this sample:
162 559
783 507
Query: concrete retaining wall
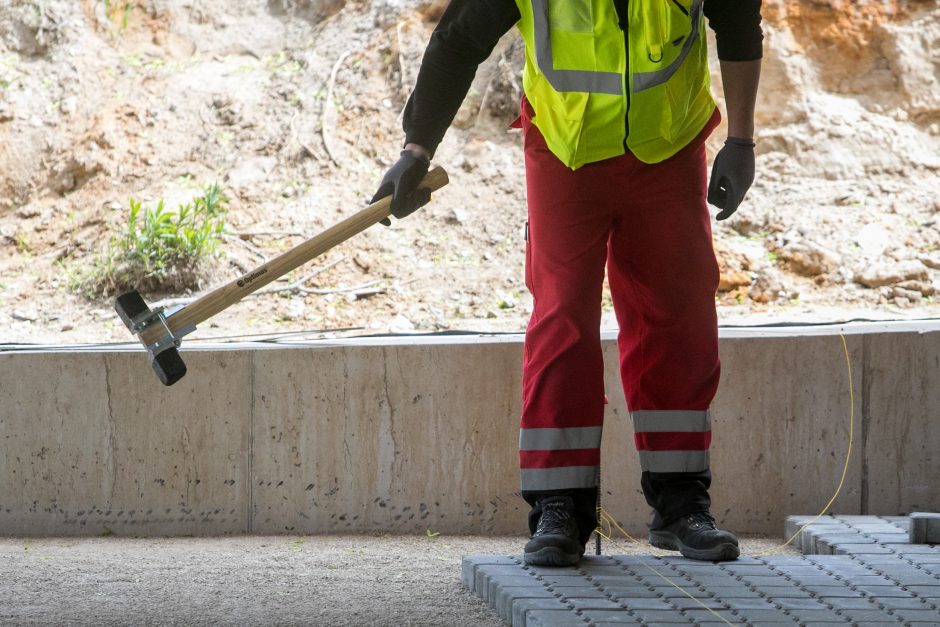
417 434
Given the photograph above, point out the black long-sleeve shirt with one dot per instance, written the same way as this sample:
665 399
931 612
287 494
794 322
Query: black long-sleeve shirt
470 29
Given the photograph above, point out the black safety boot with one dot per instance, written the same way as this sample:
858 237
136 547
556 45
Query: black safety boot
697 537
555 541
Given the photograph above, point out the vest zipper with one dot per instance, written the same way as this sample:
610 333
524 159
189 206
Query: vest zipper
623 14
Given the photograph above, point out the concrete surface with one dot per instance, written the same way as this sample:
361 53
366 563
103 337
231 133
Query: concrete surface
358 580
409 433
877 582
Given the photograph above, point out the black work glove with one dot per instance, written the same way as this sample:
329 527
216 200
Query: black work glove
732 175
401 183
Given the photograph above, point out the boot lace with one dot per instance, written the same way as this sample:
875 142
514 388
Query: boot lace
555 518
701 520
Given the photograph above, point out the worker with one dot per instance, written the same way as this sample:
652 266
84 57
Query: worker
615 114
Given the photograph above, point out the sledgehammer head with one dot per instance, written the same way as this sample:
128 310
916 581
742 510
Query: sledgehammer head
164 354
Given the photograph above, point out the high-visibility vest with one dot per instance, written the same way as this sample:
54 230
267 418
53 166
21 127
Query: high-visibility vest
599 90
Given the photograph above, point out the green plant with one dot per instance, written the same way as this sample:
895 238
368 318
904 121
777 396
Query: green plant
157 249
118 13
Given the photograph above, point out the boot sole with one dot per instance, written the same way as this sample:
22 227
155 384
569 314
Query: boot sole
550 556
724 552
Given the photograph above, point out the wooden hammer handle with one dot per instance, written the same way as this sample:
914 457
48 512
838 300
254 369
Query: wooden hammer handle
221 298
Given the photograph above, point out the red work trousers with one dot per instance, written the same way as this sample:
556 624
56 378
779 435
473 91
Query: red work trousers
649 225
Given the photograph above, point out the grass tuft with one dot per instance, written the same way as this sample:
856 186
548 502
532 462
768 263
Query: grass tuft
158 250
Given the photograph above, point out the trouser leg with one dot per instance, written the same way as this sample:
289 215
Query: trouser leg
663 278
562 380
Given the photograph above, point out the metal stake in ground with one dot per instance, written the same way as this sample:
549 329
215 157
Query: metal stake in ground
161 332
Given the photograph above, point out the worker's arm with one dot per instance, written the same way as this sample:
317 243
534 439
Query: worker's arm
737 30
464 38
740 80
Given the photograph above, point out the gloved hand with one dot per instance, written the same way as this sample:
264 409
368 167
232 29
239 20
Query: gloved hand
732 175
401 183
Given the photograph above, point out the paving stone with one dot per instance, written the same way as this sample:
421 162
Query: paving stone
925 527
858 549
579 592
704 617
602 617
697 602
655 616
916 579
856 603
606 570
783 592
516 613
873 615
763 580
594 604
494 584
764 617
553 618
507 597
754 603
895 603
919 616
816 616
898 537
816 580
671 592
924 591
646 604
631 593
834 592
800 604
867 580
732 592
883 591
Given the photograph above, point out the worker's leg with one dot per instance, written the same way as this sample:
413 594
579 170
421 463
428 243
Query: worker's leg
562 380
663 279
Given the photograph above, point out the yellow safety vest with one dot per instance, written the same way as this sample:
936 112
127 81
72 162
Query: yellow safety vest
599 90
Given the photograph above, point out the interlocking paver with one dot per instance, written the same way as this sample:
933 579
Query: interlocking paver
875 578
919 616
857 603
924 591
553 618
645 604
873 615
816 616
508 597
831 592
704 617
517 612
602 617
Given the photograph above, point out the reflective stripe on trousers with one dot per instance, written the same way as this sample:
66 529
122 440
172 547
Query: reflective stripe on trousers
672 441
559 458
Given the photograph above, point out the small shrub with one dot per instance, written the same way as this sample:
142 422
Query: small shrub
159 250
118 13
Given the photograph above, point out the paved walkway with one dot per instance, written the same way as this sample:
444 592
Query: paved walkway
858 570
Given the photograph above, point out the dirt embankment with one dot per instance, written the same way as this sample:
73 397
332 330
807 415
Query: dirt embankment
293 106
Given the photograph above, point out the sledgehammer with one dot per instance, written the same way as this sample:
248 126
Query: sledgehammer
161 332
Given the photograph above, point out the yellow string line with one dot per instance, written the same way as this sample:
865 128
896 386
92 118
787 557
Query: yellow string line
845 468
610 521
605 519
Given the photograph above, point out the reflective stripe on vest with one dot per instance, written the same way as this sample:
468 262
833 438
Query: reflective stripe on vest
568 80
645 80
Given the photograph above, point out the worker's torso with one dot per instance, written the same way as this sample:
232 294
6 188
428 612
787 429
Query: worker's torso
607 76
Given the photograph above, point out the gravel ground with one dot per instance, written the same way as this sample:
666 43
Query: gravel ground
311 580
